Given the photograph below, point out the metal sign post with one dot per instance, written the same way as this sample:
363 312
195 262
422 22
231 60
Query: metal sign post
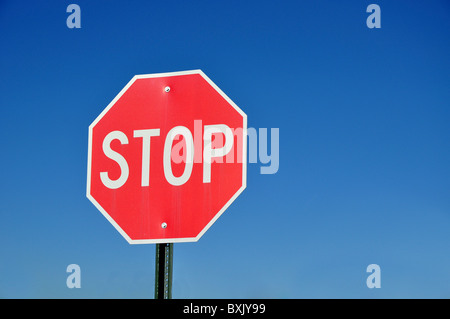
163 271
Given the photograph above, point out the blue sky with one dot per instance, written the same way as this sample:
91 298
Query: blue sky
364 146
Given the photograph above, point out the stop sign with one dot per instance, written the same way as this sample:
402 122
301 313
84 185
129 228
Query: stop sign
166 157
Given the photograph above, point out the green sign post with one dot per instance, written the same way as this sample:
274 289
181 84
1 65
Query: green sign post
163 271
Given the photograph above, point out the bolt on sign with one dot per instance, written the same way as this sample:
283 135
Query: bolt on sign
167 157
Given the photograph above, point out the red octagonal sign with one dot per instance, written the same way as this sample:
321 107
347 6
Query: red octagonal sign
166 157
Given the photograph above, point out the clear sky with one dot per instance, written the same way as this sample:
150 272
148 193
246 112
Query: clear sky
363 116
